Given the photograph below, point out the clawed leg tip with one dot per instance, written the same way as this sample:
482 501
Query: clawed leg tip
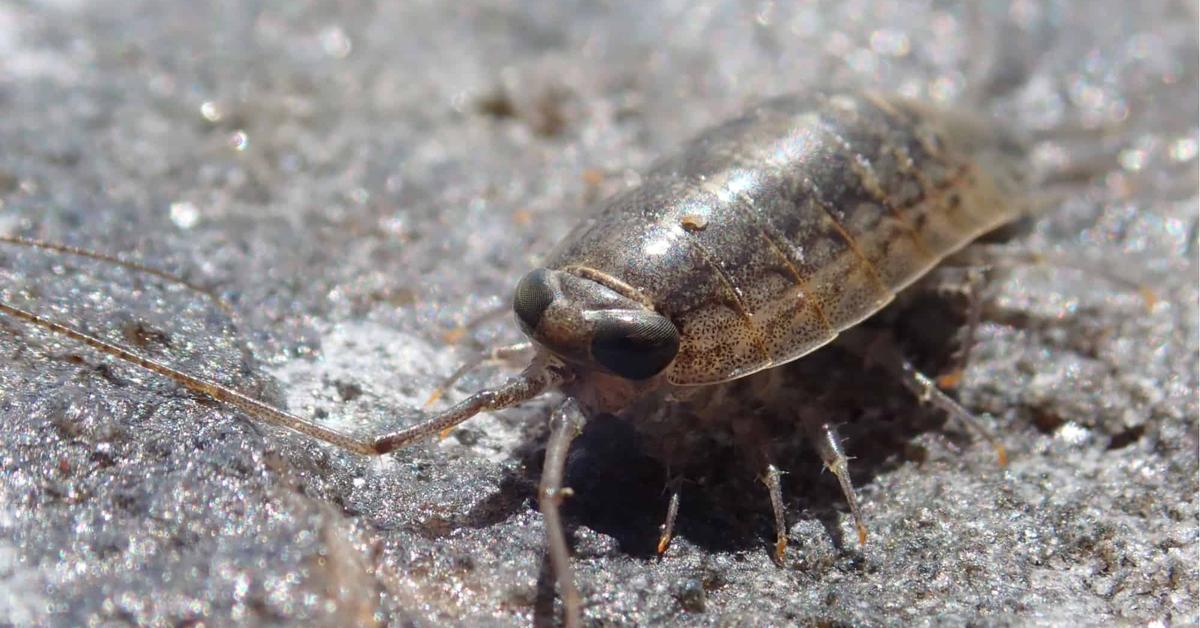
862 535
556 496
1001 455
951 380
1149 296
780 550
664 543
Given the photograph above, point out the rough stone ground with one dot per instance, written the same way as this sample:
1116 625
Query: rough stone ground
356 178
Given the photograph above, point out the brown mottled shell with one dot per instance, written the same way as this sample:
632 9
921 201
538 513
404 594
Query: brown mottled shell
765 237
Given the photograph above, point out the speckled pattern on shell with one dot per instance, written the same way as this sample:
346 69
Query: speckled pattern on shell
766 236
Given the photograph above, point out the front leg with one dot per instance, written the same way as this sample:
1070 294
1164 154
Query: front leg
565 425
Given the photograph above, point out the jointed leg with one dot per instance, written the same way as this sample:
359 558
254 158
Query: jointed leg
775 489
973 289
756 444
884 353
880 350
829 447
668 526
566 424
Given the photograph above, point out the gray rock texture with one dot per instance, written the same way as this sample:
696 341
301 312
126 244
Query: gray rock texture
358 178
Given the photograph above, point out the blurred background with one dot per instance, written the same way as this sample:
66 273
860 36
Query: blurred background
359 178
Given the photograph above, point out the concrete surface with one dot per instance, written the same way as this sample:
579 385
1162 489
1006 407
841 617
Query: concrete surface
356 178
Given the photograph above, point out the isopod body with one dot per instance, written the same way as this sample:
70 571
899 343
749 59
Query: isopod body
765 237
755 244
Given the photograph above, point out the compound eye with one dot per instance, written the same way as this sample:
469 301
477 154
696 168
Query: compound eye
531 299
634 345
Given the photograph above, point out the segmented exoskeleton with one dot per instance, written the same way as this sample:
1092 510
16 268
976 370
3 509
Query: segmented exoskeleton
755 244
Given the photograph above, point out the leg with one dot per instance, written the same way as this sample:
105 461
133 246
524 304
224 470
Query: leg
668 526
567 423
882 351
971 288
775 489
976 278
757 448
829 446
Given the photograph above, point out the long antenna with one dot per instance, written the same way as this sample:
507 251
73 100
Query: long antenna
537 378
247 404
532 382
117 261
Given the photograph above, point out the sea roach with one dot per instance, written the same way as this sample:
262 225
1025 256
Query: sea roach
758 242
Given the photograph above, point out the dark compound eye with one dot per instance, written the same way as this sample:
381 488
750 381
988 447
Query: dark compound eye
533 296
634 345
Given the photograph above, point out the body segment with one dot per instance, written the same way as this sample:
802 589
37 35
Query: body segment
765 237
